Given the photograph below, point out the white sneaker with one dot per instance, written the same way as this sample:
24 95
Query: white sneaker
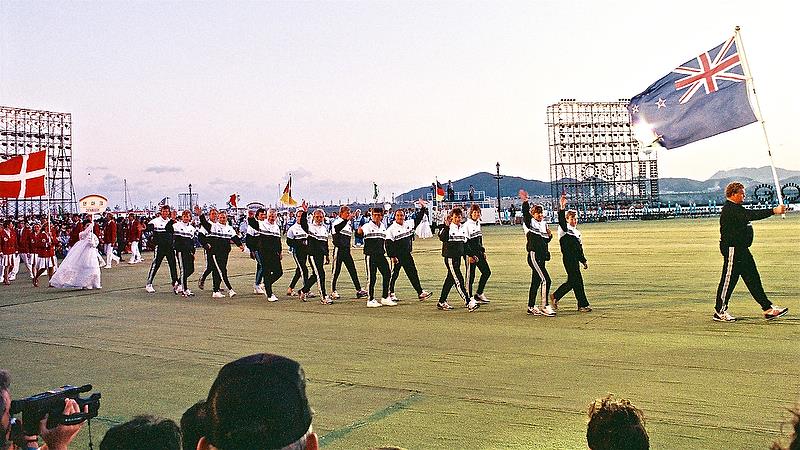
392 296
335 295
326 300
483 298
424 294
473 305
149 288
272 298
257 289
188 293
723 317
373 304
388 302
218 295
231 293
177 289
106 266
547 311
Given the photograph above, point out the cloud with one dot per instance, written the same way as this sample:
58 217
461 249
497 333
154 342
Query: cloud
96 168
163 169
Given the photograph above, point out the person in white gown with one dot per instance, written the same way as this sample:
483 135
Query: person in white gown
81 267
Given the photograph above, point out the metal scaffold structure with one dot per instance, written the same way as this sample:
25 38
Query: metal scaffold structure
595 158
25 131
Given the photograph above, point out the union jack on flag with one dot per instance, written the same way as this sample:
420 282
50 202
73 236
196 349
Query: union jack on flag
676 111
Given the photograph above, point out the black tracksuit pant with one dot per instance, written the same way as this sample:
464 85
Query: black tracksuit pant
540 281
341 255
483 266
317 263
163 251
375 264
186 265
301 269
271 269
454 278
220 269
574 283
406 262
209 265
738 261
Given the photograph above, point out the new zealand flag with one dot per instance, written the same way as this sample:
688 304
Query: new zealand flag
703 97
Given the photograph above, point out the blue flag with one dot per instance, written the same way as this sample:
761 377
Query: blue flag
703 97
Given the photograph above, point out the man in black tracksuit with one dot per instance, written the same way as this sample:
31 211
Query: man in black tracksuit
572 256
736 236
161 227
342 232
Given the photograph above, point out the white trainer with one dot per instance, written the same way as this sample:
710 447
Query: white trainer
473 305
392 296
547 311
149 288
218 295
335 295
272 298
188 293
388 302
424 294
231 293
373 304
257 289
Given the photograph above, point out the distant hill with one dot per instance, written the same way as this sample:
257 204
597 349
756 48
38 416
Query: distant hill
484 181
759 174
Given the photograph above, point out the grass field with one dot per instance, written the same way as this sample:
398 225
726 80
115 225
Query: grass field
420 378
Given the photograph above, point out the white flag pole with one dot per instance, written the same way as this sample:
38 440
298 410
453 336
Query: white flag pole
749 79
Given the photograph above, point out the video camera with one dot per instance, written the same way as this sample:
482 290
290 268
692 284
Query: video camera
35 407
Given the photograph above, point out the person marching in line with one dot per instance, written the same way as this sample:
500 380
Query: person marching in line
317 252
184 233
25 255
342 232
454 237
736 237
162 228
134 236
399 242
476 255
250 238
297 241
44 246
267 241
202 236
219 237
538 235
8 250
374 233
109 240
569 238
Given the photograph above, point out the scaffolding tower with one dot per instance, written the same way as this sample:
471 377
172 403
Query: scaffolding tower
25 131
594 157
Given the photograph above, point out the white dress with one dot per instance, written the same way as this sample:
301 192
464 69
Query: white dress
81 267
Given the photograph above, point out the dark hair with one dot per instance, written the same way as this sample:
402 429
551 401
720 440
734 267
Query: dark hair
143 433
795 442
192 425
258 401
261 210
616 425
5 382
456 212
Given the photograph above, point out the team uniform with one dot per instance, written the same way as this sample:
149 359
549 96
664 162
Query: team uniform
202 236
317 251
538 254
44 246
134 236
109 239
267 243
399 244
474 248
24 253
184 234
454 239
297 241
374 250
342 233
219 238
8 249
165 248
569 238
250 242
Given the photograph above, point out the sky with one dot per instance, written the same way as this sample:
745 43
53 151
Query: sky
232 96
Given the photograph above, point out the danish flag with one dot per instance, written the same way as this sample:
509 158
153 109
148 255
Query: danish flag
23 176
709 71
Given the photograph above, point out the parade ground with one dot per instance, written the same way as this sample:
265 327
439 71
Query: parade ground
419 378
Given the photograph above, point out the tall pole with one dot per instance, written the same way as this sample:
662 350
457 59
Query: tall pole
125 192
191 206
498 177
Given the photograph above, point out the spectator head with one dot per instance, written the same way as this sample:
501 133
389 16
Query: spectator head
616 425
794 444
192 425
733 189
258 401
5 405
143 433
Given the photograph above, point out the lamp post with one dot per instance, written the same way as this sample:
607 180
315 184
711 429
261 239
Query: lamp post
191 206
498 177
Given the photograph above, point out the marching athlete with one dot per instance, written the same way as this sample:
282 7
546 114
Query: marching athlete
317 252
134 236
374 233
44 245
342 232
476 255
569 238
538 235
109 240
8 250
399 241
219 237
267 241
202 236
297 241
162 228
184 233
454 237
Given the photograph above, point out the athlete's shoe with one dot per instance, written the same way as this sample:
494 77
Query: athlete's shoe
188 293
290 292
373 303
482 299
554 301
149 288
303 296
218 294
326 300
231 292
335 295
423 295
723 317
257 289
177 289
775 312
201 284
547 311
310 295
584 309
444 306
388 302
272 298
473 305
362 294
534 311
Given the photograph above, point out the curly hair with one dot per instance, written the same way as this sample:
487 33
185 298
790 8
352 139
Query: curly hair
795 442
616 424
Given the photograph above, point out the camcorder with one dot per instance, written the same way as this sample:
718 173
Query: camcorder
51 404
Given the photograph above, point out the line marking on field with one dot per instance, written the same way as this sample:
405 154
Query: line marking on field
397 406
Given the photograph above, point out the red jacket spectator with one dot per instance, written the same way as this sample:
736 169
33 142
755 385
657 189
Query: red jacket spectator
134 231
74 234
110 231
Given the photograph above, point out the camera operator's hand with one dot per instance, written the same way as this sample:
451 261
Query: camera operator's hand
58 438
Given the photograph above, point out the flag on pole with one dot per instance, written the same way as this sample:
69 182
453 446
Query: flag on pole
439 191
286 198
705 96
375 191
23 176
163 201
232 202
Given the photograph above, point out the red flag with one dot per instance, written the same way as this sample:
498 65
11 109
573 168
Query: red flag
23 176
233 200
439 191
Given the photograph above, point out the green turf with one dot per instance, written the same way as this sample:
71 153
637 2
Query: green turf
420 378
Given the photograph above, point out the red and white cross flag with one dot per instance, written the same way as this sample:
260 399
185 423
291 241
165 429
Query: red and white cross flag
23 176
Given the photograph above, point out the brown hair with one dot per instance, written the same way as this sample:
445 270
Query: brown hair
795 442
733 188
537 209
456 212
